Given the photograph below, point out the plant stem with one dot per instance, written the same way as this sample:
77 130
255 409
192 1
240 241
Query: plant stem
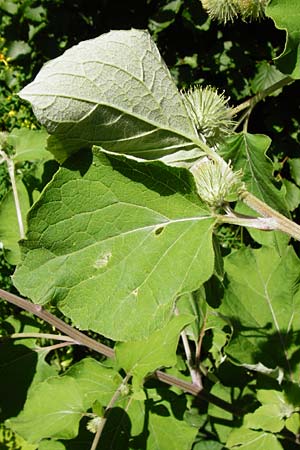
107 412
195 374
77 336
251 102
281 223
200 340
55 337
82 339
11 172
50 348
194 390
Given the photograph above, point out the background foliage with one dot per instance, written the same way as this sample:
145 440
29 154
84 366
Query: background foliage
197 50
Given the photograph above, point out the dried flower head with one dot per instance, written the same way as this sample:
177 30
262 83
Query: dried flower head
210 113
216 182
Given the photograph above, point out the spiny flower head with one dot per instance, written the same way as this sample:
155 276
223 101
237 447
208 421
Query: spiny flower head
252 9
210 113
221 10
217 184
228 10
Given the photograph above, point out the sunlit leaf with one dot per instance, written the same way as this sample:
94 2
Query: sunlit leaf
109 250
245 439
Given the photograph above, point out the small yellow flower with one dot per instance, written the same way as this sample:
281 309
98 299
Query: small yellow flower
12 113
3 59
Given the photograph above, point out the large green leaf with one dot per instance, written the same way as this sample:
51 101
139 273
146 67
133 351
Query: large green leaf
114 251
113 91
262 300
159 350
286 15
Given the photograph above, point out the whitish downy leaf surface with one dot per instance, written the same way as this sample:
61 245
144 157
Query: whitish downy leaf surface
114 251
113 91
262 301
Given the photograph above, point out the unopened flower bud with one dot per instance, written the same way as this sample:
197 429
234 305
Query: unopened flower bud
216 182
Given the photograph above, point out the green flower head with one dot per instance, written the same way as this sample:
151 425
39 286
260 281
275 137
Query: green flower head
216 182
210 113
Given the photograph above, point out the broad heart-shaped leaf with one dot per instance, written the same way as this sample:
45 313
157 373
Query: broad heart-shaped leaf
262 300
286 15
159 350
112 250
113 91
248 152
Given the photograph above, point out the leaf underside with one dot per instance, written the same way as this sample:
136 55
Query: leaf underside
113 91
